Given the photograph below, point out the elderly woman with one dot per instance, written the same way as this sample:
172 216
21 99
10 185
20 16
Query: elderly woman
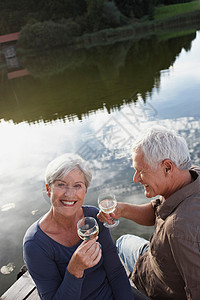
63 266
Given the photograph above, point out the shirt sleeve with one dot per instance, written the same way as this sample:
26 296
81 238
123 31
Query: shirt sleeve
115 271
188 263
186 254
49 283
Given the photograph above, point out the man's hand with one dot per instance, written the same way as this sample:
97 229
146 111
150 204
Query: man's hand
103 217
141 214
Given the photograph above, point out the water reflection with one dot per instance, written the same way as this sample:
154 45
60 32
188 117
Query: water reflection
85 80
137 85
7 269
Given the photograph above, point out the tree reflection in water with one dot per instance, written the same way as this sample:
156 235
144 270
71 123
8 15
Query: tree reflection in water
68 83
93 102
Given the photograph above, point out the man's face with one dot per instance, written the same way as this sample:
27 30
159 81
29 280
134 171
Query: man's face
153 180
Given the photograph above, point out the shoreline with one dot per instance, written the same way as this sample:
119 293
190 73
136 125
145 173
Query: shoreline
139 30
135 31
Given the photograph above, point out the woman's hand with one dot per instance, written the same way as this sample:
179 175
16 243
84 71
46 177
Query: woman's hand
87 255
103 217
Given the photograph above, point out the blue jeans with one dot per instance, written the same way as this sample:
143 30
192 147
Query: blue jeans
129 248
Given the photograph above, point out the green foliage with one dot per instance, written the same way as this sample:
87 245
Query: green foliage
112 16
136 8
162 12
169 2
141 8
94 14
58 9
47 34
100 15
42 35
49 23
11 21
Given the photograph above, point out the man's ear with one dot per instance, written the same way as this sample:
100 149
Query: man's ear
48 190
167 165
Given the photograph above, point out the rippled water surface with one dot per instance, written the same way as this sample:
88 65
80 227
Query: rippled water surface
93 102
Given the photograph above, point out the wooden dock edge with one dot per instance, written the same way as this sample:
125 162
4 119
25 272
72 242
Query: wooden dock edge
24 288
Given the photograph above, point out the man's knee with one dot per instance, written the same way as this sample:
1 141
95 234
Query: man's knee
120 242
130 247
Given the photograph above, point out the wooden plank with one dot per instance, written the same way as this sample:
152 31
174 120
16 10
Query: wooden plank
9 37
33 296
21 289
18 73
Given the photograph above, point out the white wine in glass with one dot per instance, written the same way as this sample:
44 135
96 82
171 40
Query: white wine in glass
107 203
87 228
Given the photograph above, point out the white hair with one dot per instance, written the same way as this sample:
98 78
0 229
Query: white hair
159 143
65 163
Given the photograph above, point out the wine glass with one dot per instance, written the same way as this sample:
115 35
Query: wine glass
87 228
107 203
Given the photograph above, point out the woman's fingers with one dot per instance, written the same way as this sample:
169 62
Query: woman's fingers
91 253
96 255
87 255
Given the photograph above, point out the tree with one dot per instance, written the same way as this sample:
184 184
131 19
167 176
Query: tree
136 8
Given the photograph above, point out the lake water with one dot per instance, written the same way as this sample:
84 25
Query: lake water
93 102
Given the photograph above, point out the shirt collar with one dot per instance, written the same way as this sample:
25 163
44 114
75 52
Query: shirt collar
167 206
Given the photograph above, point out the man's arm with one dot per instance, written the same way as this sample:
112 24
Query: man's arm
141 214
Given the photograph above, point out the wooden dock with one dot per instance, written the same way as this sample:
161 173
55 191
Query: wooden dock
18 73
23 289
10 55
6 38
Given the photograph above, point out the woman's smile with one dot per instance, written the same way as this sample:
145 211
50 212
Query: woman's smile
68 203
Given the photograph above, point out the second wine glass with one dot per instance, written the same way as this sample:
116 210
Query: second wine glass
107 203
87 228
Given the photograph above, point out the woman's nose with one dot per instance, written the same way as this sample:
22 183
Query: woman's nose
69 191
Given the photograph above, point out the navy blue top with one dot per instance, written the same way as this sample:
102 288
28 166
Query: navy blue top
47 262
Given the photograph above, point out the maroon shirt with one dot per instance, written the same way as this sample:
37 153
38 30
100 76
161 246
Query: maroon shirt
171 267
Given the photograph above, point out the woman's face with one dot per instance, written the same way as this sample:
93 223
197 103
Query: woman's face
68 193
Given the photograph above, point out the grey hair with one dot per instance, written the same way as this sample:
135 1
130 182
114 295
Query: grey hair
159 143
62 165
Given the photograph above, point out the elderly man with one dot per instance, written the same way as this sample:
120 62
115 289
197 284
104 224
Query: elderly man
168 266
